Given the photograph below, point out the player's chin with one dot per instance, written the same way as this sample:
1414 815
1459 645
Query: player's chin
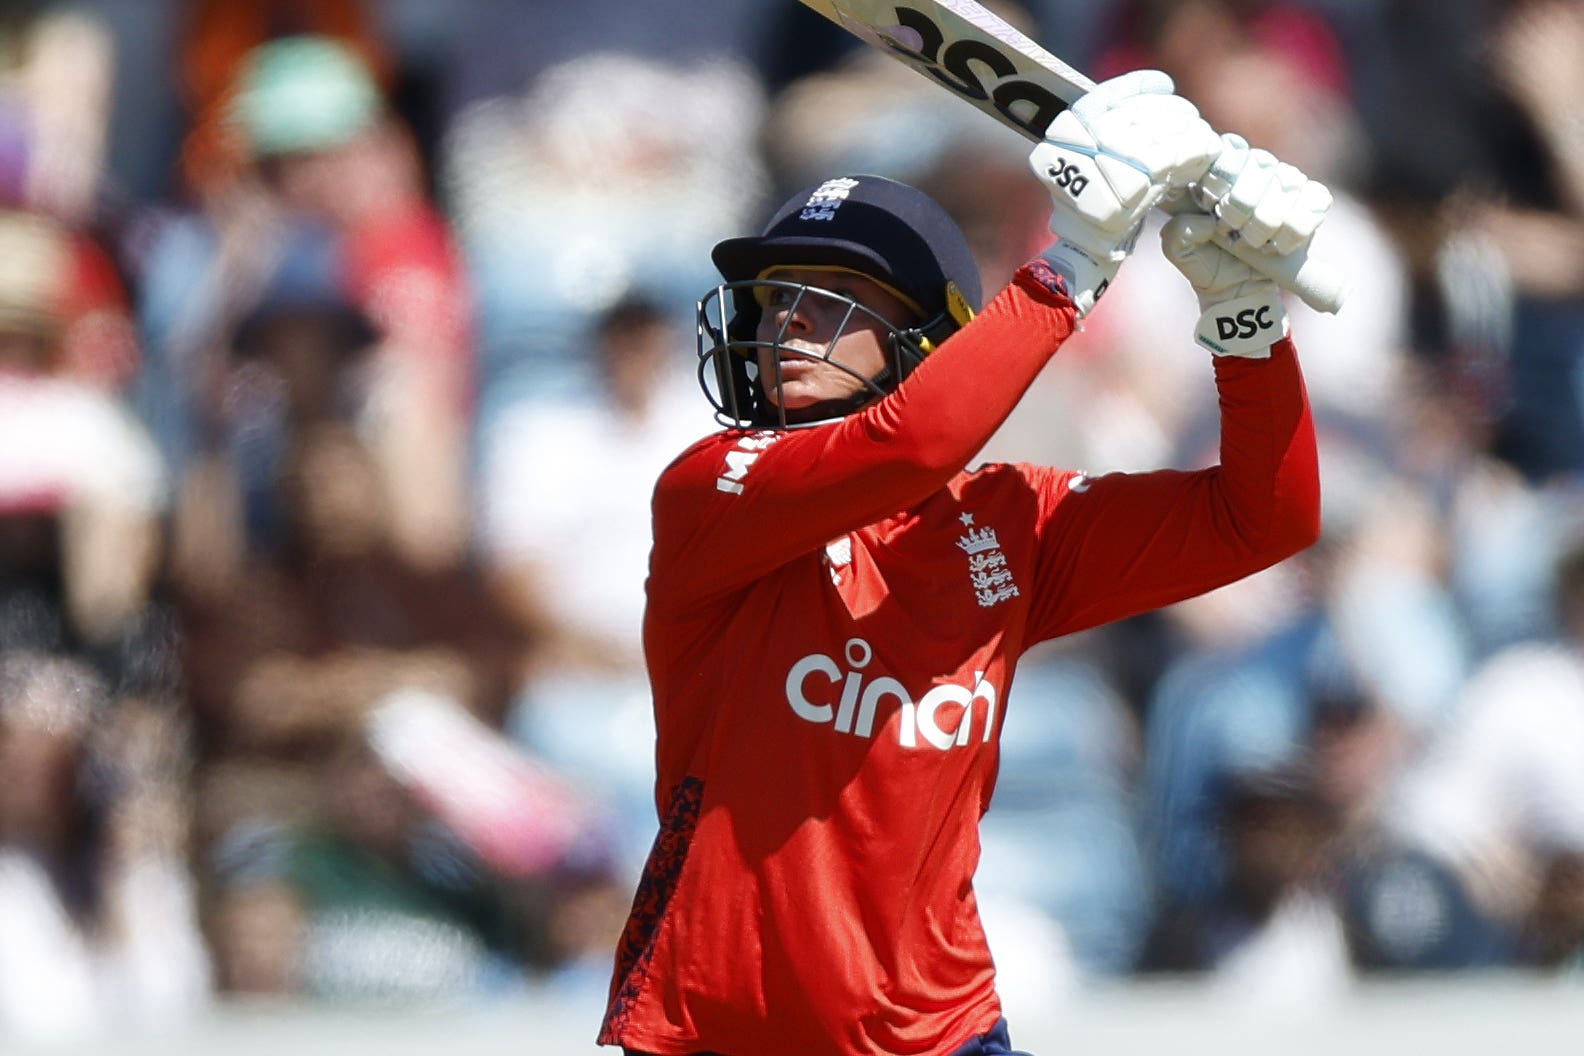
791 397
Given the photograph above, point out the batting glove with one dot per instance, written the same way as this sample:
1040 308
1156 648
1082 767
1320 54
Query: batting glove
1242 313
1265 203
1107 161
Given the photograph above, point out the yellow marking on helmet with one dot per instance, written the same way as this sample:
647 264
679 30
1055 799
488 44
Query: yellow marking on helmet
958 308
958 305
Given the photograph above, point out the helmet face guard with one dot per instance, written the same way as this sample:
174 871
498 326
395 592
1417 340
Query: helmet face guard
729 347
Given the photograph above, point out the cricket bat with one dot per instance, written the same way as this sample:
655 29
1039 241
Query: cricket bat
992 65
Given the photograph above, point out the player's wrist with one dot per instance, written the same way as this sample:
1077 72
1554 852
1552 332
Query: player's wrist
1087 272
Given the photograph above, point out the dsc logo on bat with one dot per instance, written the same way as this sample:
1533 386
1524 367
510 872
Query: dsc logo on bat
977 70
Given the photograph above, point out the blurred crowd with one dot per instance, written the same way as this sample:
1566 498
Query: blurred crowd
341 343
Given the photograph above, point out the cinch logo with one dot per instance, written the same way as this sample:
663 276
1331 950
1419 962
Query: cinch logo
961 65
815 678
1246 323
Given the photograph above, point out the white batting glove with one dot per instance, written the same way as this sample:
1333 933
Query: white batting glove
1260 200
1106 162
1242 313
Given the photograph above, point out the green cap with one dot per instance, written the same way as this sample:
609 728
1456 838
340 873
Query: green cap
303 93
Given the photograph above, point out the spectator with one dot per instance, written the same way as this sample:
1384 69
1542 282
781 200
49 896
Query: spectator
55 106
213 38
575 569
1495 813
299 639
364 897
98 927
324 150
564 539
1347 667
1535 44
73 460
1472 116
1274 930
1553 936
300 614
609 174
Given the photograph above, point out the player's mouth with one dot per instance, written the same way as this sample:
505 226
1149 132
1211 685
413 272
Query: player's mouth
792 365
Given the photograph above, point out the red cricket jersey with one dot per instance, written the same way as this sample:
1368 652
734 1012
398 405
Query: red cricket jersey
834 618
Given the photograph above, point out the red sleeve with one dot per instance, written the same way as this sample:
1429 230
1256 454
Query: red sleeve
739 504
1125 543
407 273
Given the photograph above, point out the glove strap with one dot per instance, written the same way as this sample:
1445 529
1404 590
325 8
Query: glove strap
1088 273
1246 326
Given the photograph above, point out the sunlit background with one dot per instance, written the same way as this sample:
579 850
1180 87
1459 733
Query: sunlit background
341 343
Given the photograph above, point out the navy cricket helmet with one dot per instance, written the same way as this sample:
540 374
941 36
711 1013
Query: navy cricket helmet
887 231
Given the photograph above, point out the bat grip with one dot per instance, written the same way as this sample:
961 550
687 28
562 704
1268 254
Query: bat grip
1318 283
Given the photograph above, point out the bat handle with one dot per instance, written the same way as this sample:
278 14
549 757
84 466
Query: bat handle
1318 283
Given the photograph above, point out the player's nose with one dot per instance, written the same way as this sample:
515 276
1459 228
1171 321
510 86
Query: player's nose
794 319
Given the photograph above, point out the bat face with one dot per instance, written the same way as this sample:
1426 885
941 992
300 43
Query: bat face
968 51
997 69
